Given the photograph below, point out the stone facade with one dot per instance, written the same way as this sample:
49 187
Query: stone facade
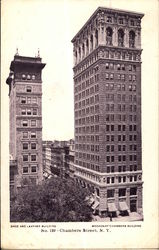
107 96
25 94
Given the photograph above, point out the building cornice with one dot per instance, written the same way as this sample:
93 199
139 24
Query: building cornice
108 11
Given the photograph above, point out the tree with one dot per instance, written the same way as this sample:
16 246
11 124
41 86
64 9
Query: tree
55 200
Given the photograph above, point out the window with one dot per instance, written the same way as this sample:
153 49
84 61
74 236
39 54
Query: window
121 21
119 179
33 145
23 100
34 111
120 38
112 137
25 157
25 123
132 22
131 39
29 100
118 66
28 89
110 193
33 77
23 76
33 157
97 191
28 77
112 169
33 134
122 192
111 76
25 170
108 180
107 77
109 19
25 135
23 112
33 123
25 146
107 66
109 34
28 111
33 169
133 191
34 100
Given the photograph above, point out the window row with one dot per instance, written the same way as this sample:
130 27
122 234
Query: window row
89 138
87 165
111 158
120 87
31 145
86 156
112 66
29 158
28 100
88 147
28 77
122 77
121 192
29 111
92 42
30 169
27 135
87 92
26 123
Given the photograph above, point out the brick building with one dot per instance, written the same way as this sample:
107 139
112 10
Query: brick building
107 108
25 100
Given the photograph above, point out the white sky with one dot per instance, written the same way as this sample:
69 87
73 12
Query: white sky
50 25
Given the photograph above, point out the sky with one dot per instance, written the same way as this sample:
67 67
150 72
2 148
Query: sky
50 25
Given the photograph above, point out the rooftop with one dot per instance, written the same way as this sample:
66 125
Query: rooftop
109 10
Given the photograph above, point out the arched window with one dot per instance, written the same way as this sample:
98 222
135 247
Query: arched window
83 50
91 42
87 47
96 36
120 38
79 52
131 39
109 34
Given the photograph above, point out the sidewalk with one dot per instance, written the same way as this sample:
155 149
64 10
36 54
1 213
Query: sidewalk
132 217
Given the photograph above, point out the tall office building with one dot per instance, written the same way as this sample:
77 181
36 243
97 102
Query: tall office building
25 109
107 108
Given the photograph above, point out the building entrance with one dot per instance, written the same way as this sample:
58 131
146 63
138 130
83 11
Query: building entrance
133 206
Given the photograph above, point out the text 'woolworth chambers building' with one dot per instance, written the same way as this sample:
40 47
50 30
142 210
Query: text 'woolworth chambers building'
25 107
107 108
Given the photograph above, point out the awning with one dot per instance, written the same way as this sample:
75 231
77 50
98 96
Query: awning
95 205
123 206
112 207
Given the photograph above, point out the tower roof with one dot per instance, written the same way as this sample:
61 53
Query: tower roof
26 61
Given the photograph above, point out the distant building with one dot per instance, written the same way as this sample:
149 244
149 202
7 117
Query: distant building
107 107
46 152
58 158
25 99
